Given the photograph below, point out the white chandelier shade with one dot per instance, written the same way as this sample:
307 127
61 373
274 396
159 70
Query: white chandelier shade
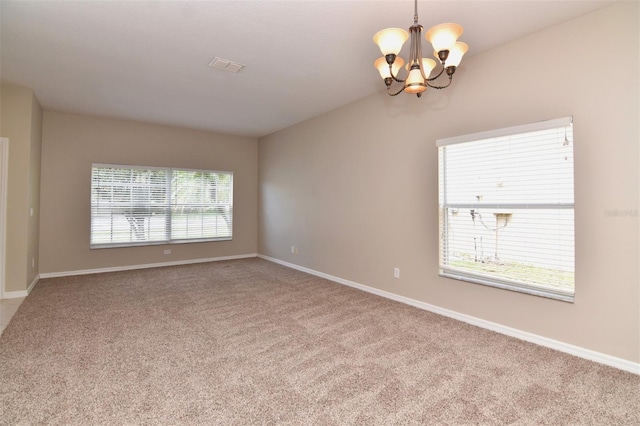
390 40
415 82
455 54
447 50
383 68
443 36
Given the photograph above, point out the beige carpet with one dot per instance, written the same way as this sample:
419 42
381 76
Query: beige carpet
251 342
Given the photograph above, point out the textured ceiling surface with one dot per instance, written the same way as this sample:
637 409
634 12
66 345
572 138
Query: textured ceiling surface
148 60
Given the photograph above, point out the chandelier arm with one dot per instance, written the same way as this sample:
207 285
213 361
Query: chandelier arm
434 78
394 94
395 78
441 87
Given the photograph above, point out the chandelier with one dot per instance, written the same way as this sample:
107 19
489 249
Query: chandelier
447 50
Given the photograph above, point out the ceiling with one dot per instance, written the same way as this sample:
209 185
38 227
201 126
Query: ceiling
148 60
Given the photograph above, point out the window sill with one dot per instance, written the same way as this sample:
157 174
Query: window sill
157 243
506 285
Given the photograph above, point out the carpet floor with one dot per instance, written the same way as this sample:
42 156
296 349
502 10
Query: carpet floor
252 342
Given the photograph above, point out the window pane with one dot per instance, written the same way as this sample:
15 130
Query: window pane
534 167
127 205
528 246
201 205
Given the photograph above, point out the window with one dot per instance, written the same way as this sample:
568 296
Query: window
507 209
147 205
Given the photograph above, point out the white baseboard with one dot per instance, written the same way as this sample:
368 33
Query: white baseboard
622 364
14 294
144 266
21 293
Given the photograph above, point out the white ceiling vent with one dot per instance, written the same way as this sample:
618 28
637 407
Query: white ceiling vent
225 64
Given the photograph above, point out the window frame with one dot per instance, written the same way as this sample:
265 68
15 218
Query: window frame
168 208
477 277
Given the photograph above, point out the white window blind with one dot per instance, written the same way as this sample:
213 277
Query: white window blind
145 205
507 208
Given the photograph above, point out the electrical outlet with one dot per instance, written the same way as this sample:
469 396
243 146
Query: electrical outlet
167 251
396 272
33 262
294 249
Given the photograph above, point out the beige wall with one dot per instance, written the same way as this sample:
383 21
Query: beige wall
22 124
72 142
356 189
